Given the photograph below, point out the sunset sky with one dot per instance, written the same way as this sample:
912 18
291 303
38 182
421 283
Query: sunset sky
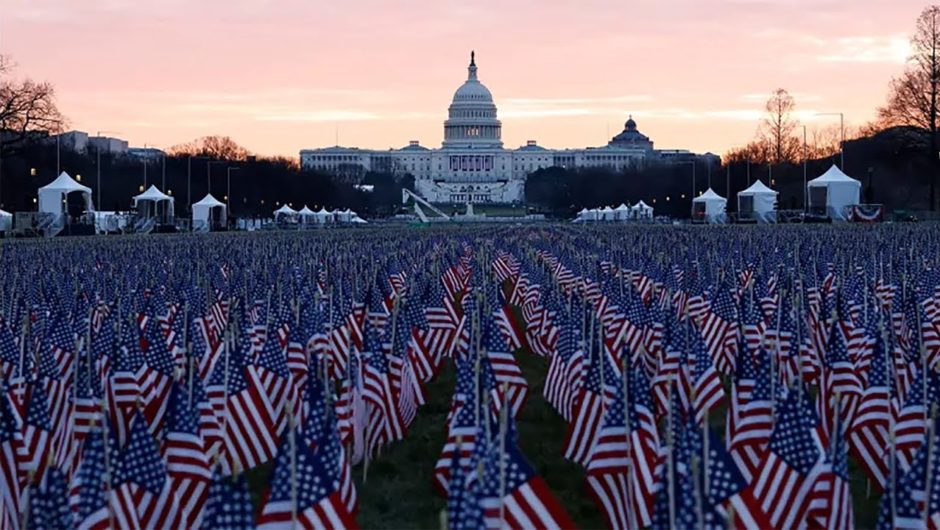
282 75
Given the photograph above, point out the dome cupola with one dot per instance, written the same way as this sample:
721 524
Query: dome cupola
471 117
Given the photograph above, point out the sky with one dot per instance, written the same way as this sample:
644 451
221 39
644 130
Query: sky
283 75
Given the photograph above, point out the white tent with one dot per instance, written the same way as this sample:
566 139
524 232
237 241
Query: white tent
285 212
148 202
52 196
307 215
202 213
758 201
641 210
622 212
831 192
606 214
6 221
324 216
709 207
344 216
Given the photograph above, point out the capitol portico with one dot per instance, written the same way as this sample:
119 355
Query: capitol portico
472 165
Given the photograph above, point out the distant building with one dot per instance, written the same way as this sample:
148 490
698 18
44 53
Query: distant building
80 142
472 165
149 153
75 141
105 144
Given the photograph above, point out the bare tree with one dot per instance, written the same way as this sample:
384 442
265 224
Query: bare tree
755 152
779 126
826 142
913 97
27 108
218 147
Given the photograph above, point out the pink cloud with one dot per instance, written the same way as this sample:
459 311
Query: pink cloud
284 75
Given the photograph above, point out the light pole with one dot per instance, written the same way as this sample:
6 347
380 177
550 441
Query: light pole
189 178
98 155
228 187
841 135
805 159
692 196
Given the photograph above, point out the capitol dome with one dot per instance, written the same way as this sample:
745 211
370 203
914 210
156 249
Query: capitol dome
471 117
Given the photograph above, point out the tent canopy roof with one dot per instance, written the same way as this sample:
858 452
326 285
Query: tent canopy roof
834 174
65 184
286 210
758 188
209 201
709 195
153 194
4 213
642 206
306 211
622 208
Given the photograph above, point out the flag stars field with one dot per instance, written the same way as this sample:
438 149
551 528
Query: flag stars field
546 376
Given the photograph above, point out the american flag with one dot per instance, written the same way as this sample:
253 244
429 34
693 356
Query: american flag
187 461
514 496
868 432
459 446
228 504
384 424
88 490
10 439
588 413
36 434
750 418
831 505
784 484
321 434
707 388
565 372
506 371
720 328
302 493
249 428
621 468
49 502
143 494
912 420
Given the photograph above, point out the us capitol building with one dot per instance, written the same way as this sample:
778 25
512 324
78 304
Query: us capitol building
473 166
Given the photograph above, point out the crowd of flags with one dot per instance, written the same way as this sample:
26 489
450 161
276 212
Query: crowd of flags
708 378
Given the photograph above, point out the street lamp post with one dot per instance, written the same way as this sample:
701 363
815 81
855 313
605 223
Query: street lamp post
98 155
805 158
189 178
692 195
841 135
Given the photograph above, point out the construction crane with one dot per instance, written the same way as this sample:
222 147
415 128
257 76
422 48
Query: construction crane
419 201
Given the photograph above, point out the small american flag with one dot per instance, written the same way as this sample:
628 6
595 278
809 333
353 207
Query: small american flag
316 501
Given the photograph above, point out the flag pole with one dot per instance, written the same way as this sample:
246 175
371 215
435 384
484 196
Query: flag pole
503 421
625 381
671 459
293 462
107 460
931 430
